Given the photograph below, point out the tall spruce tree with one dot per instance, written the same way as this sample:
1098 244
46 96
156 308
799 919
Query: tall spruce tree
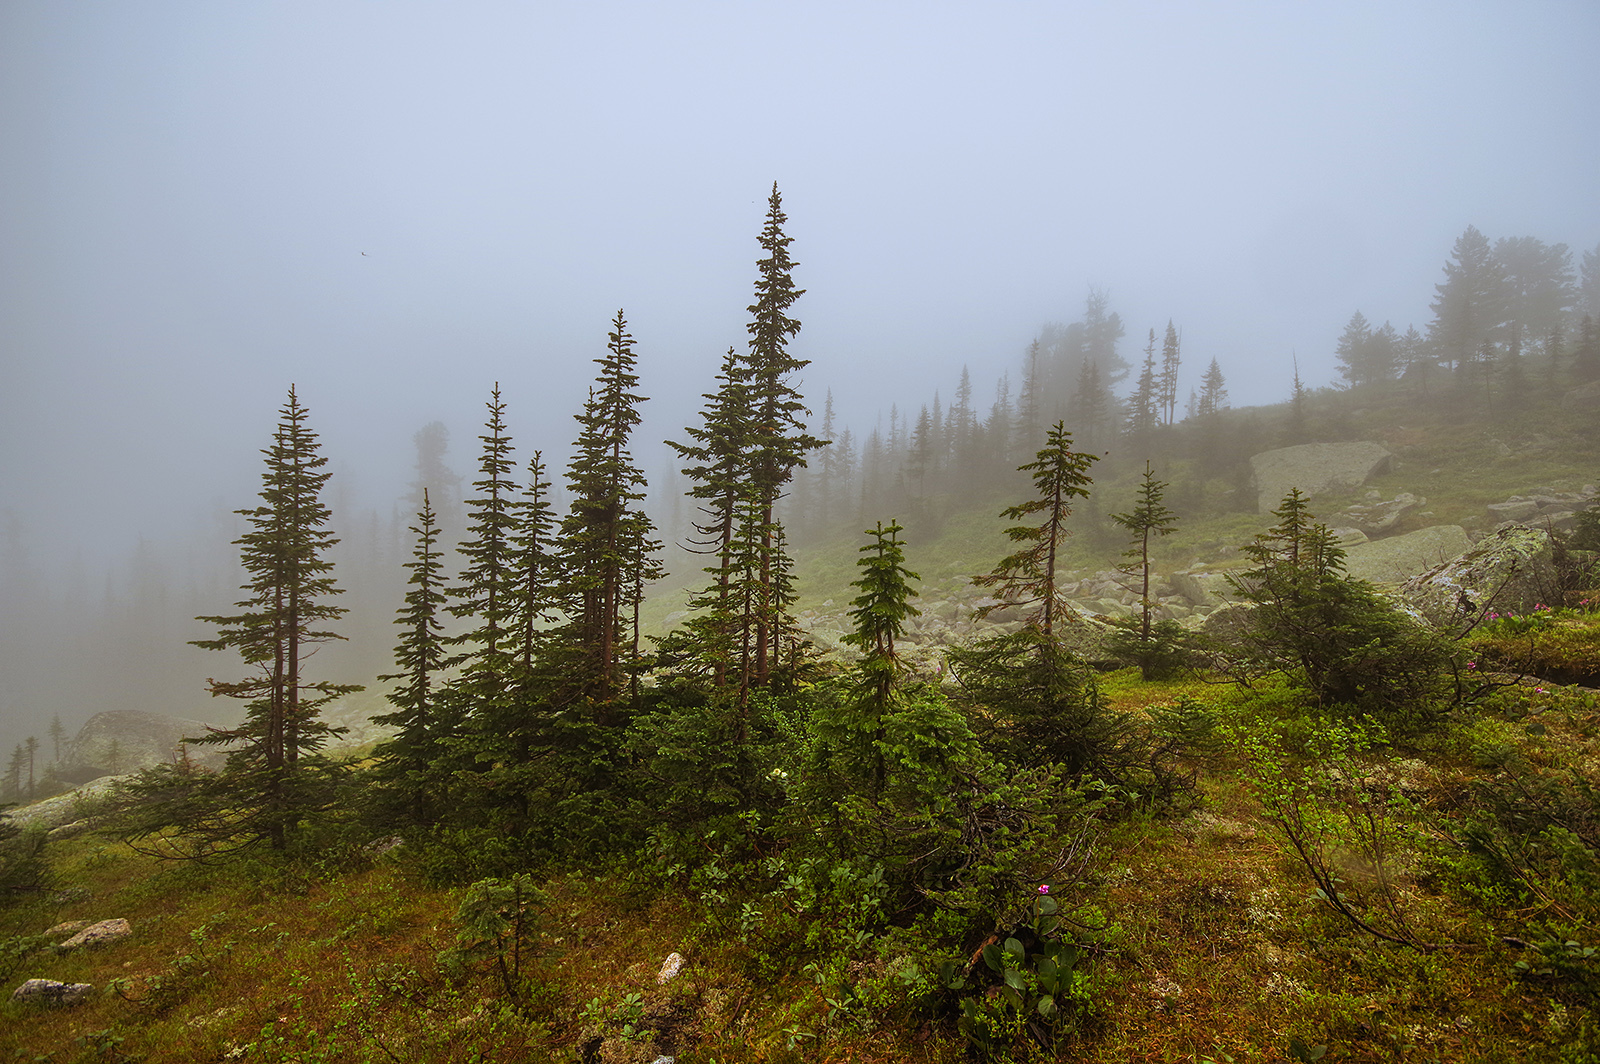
778 438
486 594
58 735
1171 356
533 559
1295 422
273 778
716 466
1351 350
605 537
1143 412
408 773
1213 392
1469 306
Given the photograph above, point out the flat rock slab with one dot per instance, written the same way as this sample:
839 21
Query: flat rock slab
1399 558
1315 468
50 992
103 933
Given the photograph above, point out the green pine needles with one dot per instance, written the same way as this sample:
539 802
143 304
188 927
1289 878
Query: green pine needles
274 778
1028 576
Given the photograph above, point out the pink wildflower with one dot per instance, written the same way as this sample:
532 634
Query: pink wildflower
1044 888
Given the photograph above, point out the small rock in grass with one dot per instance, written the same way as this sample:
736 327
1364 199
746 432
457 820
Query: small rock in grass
50 992
670 969
103 933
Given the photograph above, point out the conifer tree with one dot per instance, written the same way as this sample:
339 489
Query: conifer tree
1295 426
962 425
1469 306
923 450
1091 404
486 593
1000 428
1042 697
409 762
1170 359
13 776
827 475
1102 328
880 613
605 537
791 650
717 468
1383 353
433 476
1351 349
1028 576
1143 415
58 735
272 779
1213 392
1030 403
1338 636
1415 357
778 439
533 562
1586 358
1149 518
1552 360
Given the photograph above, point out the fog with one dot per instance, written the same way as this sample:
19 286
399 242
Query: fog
395 206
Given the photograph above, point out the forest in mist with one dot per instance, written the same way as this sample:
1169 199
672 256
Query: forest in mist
1515 314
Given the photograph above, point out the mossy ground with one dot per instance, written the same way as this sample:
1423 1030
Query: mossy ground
1217 948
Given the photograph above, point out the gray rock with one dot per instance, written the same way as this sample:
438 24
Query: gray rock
66 808
1225 624
1109 607
1399 558
1347 537
50 992
670 968
101 934
1379 517
1512 510
1509 569
1586 397
1202 587
66 929
125 740
1315 468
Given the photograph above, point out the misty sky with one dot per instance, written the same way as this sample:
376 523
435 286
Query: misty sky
395 205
